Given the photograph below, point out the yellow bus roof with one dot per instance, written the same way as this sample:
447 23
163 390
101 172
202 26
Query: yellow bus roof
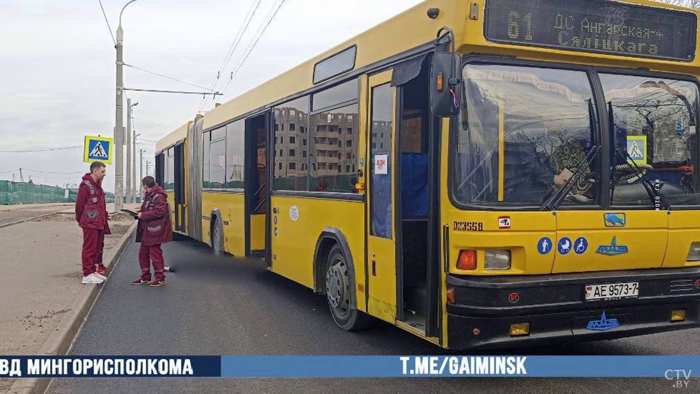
179 134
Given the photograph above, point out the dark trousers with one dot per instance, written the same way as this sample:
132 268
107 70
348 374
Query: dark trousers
93 246
148 254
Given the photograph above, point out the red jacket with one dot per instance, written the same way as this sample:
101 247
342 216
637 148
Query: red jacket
154 226
90 207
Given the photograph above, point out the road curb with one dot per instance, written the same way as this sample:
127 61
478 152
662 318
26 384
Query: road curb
60 341
28 219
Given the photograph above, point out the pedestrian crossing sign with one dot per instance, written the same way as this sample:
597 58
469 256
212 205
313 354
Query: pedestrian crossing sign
98 149
637 148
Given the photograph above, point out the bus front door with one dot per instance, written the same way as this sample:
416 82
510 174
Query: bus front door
180 206
381 234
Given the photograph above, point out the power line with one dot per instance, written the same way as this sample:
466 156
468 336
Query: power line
173 91
106 20
239 35
167 77
253 44
152 122
40 150
234 45
51 172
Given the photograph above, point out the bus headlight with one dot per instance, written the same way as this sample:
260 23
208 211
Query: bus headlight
694 252
497 260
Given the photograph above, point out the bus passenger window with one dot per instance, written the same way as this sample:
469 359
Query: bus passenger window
286 177
217 159
206 140
332 156
235 155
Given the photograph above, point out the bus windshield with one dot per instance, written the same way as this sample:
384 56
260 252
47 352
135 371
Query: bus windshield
525 131
654 121
522 135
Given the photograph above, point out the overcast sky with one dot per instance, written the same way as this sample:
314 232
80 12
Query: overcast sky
58 74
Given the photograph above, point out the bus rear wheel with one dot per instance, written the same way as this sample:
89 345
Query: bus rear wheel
340 292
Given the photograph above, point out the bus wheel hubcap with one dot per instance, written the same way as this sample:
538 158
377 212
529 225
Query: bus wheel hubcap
336 286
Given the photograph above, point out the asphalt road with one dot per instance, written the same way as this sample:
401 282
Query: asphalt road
223 305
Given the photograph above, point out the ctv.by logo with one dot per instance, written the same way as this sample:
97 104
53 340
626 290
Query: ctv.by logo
681 377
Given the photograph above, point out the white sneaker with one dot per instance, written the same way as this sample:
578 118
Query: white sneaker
91 280
100 276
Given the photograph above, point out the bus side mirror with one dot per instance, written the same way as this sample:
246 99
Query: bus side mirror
445 84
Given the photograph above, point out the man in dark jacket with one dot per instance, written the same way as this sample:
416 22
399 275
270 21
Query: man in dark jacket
91 214
153 230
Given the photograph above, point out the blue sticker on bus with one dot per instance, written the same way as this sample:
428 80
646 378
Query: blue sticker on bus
564 246
581 245
544 246
615 219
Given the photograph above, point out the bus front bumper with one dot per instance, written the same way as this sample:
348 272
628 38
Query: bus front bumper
555 308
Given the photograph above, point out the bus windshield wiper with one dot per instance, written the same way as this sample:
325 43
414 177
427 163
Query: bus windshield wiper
654 193
560 195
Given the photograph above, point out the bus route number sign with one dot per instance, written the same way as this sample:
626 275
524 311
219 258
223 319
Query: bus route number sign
593 26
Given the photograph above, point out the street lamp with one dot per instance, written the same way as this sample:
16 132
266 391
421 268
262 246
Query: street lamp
119 121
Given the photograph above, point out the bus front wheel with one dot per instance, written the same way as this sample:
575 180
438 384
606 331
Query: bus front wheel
340 292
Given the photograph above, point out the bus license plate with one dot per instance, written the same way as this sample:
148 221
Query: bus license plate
612 291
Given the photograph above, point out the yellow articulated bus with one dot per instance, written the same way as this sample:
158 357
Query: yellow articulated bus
487 173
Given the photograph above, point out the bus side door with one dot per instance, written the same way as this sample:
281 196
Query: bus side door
381 234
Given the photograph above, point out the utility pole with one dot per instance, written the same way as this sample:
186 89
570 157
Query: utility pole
118 129
136 182
21 177
129 193
119 121
148 163
141 169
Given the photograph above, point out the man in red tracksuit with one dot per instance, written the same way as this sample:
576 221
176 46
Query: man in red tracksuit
153 230
91 214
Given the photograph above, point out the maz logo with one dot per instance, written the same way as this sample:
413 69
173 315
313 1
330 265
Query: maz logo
604 324
617 219
613 249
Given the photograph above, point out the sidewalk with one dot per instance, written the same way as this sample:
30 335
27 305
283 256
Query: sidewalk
13 213
41 273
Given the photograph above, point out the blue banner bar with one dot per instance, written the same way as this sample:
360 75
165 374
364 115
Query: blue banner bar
678 368
458 366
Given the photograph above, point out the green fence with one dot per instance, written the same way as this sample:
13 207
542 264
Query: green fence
28 193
